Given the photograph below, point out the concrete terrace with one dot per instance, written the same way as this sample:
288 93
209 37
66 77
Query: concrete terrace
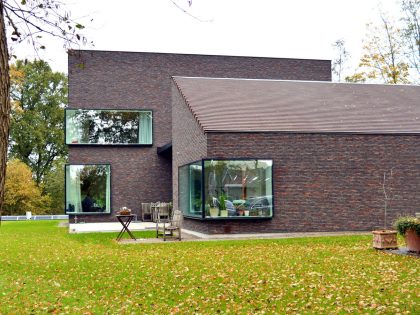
188 235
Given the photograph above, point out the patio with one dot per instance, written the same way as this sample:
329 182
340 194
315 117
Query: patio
188 235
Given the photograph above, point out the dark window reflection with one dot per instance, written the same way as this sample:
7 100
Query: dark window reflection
108 127
232 188
87 188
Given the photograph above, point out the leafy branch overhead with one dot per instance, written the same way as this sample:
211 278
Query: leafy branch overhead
30 20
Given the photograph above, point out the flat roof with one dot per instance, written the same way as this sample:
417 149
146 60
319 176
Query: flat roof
248 105
70 51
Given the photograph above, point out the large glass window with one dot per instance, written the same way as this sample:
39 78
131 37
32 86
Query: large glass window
190 189
108 126
88 189
231 188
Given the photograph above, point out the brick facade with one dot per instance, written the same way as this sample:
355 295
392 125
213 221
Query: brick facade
125 80
189 143
325 182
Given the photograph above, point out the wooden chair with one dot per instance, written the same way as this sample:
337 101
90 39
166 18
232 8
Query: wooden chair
163 212
154 206
146 210
170 227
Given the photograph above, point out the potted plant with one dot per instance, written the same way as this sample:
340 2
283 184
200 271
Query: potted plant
214 210
222 206
385 238
409 227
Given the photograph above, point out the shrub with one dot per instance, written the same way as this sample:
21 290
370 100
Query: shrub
404 224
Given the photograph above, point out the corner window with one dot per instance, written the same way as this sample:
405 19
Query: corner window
88 189
108 127
190 199
218 188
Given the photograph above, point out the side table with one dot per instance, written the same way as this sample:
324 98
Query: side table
125 220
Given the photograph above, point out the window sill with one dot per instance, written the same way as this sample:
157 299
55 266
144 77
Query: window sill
109 145
88 213
240 218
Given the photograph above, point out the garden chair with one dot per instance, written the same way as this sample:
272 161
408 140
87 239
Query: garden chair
146 210
168 228
154 209
163 212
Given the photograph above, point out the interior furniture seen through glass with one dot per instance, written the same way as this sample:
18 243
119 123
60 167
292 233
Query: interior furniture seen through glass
88 189
229 188
107 126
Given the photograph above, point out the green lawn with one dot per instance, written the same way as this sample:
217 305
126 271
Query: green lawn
45 269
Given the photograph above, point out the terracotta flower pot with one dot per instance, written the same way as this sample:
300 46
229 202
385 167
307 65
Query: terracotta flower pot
412 239
385 239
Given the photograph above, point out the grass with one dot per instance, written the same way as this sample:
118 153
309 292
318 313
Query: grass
44 269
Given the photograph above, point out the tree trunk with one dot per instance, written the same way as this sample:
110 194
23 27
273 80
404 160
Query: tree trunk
4 104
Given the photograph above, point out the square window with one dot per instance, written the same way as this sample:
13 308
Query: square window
88 189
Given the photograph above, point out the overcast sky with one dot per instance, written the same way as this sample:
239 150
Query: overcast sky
272 28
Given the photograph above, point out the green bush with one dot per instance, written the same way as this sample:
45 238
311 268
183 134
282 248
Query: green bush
404 224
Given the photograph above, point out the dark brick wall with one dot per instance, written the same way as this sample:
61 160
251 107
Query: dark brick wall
189 143
325 182
101 79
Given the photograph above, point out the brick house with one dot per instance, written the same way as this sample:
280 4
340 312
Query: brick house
268 151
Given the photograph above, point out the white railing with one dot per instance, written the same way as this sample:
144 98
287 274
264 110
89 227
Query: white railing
34 217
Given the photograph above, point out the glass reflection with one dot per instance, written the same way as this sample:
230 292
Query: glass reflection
88 189
189 179
108 127
232 188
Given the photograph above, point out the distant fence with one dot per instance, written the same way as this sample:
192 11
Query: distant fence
34 217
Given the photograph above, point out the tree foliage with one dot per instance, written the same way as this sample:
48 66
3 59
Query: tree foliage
21 192
54 186
28 20
391 52
342 55
411 32
383 56
38 98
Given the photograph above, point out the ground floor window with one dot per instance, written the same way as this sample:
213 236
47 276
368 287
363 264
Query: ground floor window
88 189
215 188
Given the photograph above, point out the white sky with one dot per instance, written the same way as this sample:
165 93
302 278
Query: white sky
272 28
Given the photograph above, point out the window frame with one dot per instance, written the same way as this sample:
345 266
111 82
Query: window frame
110 190
233 218
108 144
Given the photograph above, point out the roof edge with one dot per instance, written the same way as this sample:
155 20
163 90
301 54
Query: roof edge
188 104
299 81
192 54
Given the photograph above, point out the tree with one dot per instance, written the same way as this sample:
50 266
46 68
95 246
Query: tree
38 98
54 186
383 58
411 32
342 55
22 194
392 49
27 20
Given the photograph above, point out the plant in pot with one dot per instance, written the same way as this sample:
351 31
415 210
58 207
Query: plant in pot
222 206
385 238
214 209
409 227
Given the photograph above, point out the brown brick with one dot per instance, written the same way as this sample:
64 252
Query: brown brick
130 80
